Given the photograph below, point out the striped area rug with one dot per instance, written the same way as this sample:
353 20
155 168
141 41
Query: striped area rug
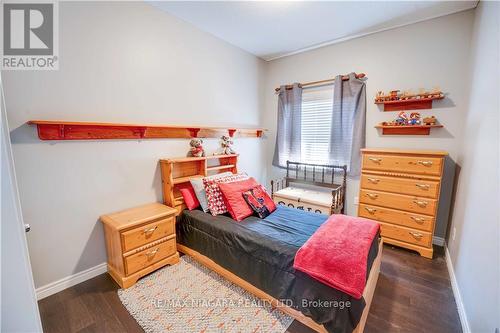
190 298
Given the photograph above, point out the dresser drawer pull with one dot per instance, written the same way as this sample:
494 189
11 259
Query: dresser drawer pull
149 231
421 203
373 180
423 186
417 219
152 253
424 163
372 196
416 235
375 160
370 210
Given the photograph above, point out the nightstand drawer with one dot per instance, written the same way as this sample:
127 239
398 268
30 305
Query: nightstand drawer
147 233
423 188
403 164
407 219
399 201
149 256
407 235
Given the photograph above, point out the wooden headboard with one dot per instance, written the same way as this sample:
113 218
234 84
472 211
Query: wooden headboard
177 172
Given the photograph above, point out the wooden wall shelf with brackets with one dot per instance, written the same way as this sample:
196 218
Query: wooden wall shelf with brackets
407 130
409 104
65 130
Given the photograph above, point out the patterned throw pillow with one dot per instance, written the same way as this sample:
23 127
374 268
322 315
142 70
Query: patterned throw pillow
260 201
215 199
199 189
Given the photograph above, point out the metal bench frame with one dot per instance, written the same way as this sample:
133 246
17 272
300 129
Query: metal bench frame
322 175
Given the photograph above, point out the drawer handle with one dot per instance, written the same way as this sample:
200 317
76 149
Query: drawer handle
149 231
417 235
417 219
424 163
375 160
421 203
373 180
152 253
372 196
370 210
423 186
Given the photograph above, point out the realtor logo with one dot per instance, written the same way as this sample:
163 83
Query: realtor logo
29 36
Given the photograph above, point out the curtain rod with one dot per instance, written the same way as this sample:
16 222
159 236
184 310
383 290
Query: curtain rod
344 78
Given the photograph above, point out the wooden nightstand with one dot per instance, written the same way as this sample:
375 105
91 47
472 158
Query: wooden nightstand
139 240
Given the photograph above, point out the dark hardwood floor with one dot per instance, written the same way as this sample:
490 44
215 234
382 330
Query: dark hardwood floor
413 294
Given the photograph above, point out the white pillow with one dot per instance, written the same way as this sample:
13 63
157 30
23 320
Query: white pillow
199 189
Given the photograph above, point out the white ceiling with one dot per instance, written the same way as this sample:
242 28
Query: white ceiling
272 29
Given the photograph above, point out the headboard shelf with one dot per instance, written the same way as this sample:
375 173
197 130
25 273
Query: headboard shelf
177 172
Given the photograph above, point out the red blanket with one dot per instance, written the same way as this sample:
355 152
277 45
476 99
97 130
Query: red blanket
337 253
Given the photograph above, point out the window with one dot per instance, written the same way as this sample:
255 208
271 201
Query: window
316 124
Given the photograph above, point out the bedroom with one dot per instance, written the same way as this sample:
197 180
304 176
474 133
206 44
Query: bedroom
152 76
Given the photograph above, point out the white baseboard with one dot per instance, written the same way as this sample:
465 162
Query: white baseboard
69 281
456 292
439 241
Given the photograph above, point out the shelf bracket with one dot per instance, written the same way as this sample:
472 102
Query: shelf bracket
231 132
193 132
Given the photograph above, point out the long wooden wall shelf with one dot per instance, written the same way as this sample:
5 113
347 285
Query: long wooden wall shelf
65 130
407 130
408 104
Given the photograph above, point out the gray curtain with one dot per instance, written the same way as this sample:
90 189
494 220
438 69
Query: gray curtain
288 134
348 123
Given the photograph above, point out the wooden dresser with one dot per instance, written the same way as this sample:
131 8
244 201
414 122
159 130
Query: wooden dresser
139 241
401 189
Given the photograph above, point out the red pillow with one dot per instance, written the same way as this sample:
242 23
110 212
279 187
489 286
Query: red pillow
190 198
259 201
233 198
215 198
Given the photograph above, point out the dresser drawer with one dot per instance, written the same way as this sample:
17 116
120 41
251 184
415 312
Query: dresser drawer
407 235
147 233
147 257
421 222
398 201
403 164
422 188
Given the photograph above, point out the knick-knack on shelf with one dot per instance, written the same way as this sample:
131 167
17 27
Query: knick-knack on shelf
415 119
430 120
225 146
196 149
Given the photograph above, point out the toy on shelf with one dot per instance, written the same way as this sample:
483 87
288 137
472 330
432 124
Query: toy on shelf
407 95
225 146
196 149
401 120
430 120
415 119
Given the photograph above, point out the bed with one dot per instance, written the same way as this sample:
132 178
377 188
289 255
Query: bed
258 254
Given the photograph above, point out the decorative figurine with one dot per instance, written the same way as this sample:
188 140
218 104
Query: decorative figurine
394 95
225 146
196 149
436 93
430 120
401 120
415 119
406 95
380 96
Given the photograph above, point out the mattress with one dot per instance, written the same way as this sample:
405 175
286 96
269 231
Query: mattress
262 251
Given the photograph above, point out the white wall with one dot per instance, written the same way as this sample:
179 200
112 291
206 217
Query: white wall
119 62
426 54
475 251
